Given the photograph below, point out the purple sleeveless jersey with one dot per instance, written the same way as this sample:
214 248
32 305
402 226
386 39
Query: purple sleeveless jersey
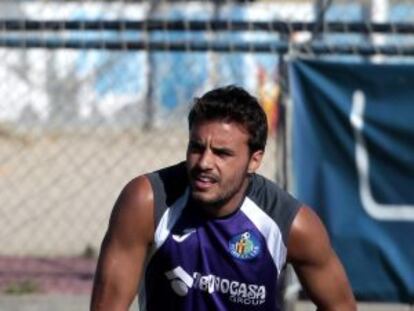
201 263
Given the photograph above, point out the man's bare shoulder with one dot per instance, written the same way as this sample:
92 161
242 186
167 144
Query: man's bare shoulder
124 248
138 192
316 264
133 212
308 239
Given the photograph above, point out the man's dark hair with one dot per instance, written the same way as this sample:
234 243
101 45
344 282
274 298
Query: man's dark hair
232 104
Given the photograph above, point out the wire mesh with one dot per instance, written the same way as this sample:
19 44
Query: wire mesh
94 93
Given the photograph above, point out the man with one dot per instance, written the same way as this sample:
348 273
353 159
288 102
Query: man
209 233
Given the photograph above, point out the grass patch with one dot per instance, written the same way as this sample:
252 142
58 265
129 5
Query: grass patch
22 287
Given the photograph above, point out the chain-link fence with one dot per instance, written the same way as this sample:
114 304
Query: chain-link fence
94 93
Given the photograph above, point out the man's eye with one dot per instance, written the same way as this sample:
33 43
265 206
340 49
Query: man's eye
196 148
223 153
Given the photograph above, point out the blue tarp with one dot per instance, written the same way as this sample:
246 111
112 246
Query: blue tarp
353 162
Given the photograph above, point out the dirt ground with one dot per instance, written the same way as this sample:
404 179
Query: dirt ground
46 276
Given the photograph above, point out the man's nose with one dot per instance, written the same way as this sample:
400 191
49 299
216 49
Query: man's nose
206 160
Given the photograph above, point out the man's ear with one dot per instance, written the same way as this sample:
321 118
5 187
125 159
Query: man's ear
255 161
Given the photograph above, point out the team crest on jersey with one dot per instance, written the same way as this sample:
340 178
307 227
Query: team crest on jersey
245 245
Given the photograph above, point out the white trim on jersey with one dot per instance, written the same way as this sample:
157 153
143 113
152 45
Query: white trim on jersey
268 227
166 223
168 220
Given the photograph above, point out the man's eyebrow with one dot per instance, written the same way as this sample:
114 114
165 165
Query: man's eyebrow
223 150
195 142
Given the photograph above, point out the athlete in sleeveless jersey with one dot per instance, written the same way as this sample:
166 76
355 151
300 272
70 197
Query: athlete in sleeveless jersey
204 263
211 234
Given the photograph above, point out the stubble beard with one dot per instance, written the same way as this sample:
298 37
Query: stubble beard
216 203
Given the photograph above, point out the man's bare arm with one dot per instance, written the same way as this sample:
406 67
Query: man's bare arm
316 264
124 248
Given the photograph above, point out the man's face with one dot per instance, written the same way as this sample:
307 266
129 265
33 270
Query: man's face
218 161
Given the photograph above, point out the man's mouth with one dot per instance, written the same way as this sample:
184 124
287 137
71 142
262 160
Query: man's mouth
204 181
